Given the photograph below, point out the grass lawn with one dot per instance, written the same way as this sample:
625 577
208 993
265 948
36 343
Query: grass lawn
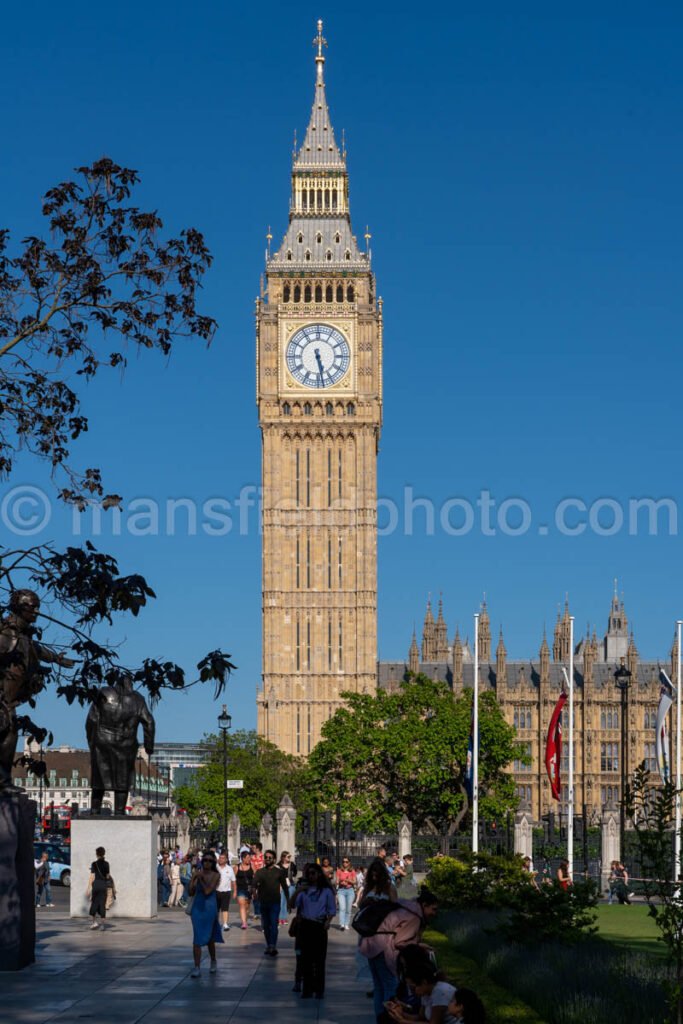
502 1007
631 927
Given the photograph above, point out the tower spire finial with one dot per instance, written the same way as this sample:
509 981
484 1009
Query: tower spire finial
319 42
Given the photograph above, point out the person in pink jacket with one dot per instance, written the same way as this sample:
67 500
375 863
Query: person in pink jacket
402 927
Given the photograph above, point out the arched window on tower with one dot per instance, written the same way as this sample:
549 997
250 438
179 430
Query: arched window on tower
289 254
320 199
340 293
307 409
319 238
329 410
350 294
286 293
337 238
334 199
307 293
318 293
328 255
327 198
347 254
328 293
297 293
311 199
304 199
300 238
286 409
350 409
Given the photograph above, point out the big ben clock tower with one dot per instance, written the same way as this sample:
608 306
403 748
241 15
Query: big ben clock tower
319 394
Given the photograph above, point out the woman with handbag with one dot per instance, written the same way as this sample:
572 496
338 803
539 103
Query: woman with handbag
99 883
206 930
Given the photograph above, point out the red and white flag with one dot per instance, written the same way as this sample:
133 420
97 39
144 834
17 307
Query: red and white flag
553 747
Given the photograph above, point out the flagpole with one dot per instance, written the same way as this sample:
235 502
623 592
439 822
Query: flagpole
475 742
570 802
677 836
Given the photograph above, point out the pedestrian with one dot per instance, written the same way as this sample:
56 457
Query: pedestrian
256 863
563 876
347 883
398 870
227 887
175 883
42 873
164 879
270 885
408 884
621 884
206 930
360 882
294 930
315 910
440 1002
378 884
528 869
97 888
185 876
326 865
402 927
287 865
244 877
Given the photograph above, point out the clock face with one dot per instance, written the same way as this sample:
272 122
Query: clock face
318 356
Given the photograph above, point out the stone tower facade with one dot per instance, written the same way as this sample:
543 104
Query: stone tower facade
319 396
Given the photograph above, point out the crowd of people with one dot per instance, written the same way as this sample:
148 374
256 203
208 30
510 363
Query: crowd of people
380 901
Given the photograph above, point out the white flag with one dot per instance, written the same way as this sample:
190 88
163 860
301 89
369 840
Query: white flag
665 702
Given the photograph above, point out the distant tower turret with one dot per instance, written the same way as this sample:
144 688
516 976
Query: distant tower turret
441 636
414 657
428 637
544 656
501 660
616 637
457 659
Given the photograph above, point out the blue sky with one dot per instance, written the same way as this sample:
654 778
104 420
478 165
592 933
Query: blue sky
520 171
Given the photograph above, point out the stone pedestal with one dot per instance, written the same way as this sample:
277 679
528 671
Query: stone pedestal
17 885
610 842
266 831
405 836
131 845
524 834
286 827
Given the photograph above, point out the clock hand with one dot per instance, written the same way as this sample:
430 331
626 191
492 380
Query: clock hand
320 363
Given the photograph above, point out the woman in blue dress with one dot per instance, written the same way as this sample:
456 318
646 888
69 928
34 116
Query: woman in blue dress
206 931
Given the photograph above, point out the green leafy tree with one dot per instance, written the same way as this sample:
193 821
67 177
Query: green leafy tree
384 755
652 810
267 773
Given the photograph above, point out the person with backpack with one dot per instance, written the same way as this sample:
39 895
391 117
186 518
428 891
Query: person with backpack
383 938
42 869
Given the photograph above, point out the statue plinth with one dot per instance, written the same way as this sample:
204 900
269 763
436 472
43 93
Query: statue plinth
17 881
131 851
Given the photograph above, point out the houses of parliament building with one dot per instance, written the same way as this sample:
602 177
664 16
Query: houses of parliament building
527 692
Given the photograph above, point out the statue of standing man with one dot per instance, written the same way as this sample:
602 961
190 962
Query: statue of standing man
22 675
112 732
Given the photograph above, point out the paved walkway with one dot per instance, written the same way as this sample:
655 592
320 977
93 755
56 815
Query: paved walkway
139 971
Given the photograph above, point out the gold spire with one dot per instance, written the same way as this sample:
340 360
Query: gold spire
319 42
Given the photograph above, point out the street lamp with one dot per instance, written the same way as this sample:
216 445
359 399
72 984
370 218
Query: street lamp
224 723
622 679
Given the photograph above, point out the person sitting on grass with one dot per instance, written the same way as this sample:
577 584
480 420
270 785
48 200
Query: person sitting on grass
441 1002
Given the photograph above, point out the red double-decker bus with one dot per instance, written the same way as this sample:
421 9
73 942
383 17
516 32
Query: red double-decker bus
57 820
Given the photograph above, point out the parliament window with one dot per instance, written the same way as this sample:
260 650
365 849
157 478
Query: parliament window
341 646
650 721
286 409
609 757
329 643
318 293
339 560
308 644
308 476
308 408
329 411
350 294
519 765
651 757
340 293
609 719
286 289
297 475
610 794
298 563
298 645
329 563
522 718
308 562
297 293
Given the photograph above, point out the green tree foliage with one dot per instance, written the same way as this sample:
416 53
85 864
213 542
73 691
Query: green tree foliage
652 810
476 881
267 773
384 755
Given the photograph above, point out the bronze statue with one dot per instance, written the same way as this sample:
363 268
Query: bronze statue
21 673
112 730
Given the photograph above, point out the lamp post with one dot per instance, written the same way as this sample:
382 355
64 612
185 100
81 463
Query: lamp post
622 679
224 723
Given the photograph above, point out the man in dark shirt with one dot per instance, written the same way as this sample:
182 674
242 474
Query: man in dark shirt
269 882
